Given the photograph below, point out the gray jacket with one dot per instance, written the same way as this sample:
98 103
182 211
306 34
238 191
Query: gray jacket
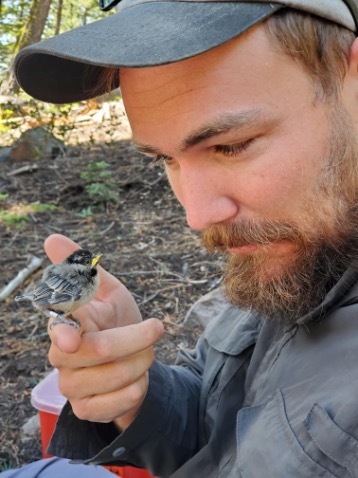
250 401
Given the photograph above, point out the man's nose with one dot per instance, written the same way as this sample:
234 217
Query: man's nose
205 198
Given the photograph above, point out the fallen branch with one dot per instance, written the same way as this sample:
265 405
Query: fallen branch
107 228
21 277
24 169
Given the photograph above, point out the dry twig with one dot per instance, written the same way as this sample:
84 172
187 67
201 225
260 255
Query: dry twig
29 168
35 263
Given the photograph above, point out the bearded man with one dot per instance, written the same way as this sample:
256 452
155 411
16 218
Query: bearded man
253 109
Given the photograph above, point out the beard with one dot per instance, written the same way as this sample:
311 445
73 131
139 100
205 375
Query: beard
320 244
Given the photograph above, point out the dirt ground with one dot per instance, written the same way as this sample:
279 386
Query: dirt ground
144 239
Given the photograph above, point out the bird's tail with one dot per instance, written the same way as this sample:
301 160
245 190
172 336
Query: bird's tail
18 298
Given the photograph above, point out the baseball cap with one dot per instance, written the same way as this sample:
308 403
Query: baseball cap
67 67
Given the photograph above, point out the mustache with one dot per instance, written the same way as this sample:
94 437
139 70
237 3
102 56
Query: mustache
247 232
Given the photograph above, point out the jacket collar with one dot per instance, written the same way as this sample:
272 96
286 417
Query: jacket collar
343 290
233 330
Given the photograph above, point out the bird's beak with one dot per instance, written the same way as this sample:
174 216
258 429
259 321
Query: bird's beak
96 260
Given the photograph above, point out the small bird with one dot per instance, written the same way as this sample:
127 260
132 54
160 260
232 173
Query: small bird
66 286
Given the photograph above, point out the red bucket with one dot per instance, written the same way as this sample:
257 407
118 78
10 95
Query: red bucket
48 400
129 472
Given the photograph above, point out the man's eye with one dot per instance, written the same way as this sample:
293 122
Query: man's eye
161 160
233 149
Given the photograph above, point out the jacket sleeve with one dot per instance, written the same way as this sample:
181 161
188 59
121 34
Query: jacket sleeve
163 436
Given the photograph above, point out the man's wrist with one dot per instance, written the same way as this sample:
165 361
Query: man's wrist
126 420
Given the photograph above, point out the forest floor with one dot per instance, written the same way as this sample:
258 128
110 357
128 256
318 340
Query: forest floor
142 235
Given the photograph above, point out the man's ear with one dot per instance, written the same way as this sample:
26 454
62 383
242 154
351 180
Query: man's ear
350 83
353 58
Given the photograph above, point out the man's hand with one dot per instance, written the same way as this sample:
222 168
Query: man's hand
104 371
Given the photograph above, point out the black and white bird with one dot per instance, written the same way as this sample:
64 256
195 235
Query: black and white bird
65 287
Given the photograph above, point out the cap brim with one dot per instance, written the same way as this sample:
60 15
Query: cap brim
67 67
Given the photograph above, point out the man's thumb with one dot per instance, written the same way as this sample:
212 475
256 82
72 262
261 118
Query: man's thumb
65 337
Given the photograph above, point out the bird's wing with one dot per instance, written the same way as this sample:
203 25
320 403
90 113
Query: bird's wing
56 289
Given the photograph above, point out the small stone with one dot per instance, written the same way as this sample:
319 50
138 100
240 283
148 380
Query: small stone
36 143
4 153
30 428
208 307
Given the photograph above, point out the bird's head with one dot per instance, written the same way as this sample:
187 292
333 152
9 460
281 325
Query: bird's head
84 258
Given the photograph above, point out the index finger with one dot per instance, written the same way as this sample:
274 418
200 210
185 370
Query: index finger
106 345
58 247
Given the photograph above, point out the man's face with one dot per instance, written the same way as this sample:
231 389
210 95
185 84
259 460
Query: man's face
250 154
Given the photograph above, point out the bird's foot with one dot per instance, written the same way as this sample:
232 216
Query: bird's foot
61 319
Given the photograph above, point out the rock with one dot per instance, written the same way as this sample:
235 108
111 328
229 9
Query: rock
11 100
4 153
207 308
36 143
30 428
21 151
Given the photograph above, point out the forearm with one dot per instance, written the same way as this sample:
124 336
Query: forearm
162 436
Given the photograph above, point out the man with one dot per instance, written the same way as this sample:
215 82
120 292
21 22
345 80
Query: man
252 107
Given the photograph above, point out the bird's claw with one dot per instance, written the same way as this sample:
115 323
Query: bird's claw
61 319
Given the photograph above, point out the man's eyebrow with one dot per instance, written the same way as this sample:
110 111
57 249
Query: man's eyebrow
146 148
220 125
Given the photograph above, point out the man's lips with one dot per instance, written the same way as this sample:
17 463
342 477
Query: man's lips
248 249
279 249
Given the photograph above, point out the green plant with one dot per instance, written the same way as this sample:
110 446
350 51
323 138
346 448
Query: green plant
7 462
13 219
39 207
17 214
85 212
100 185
